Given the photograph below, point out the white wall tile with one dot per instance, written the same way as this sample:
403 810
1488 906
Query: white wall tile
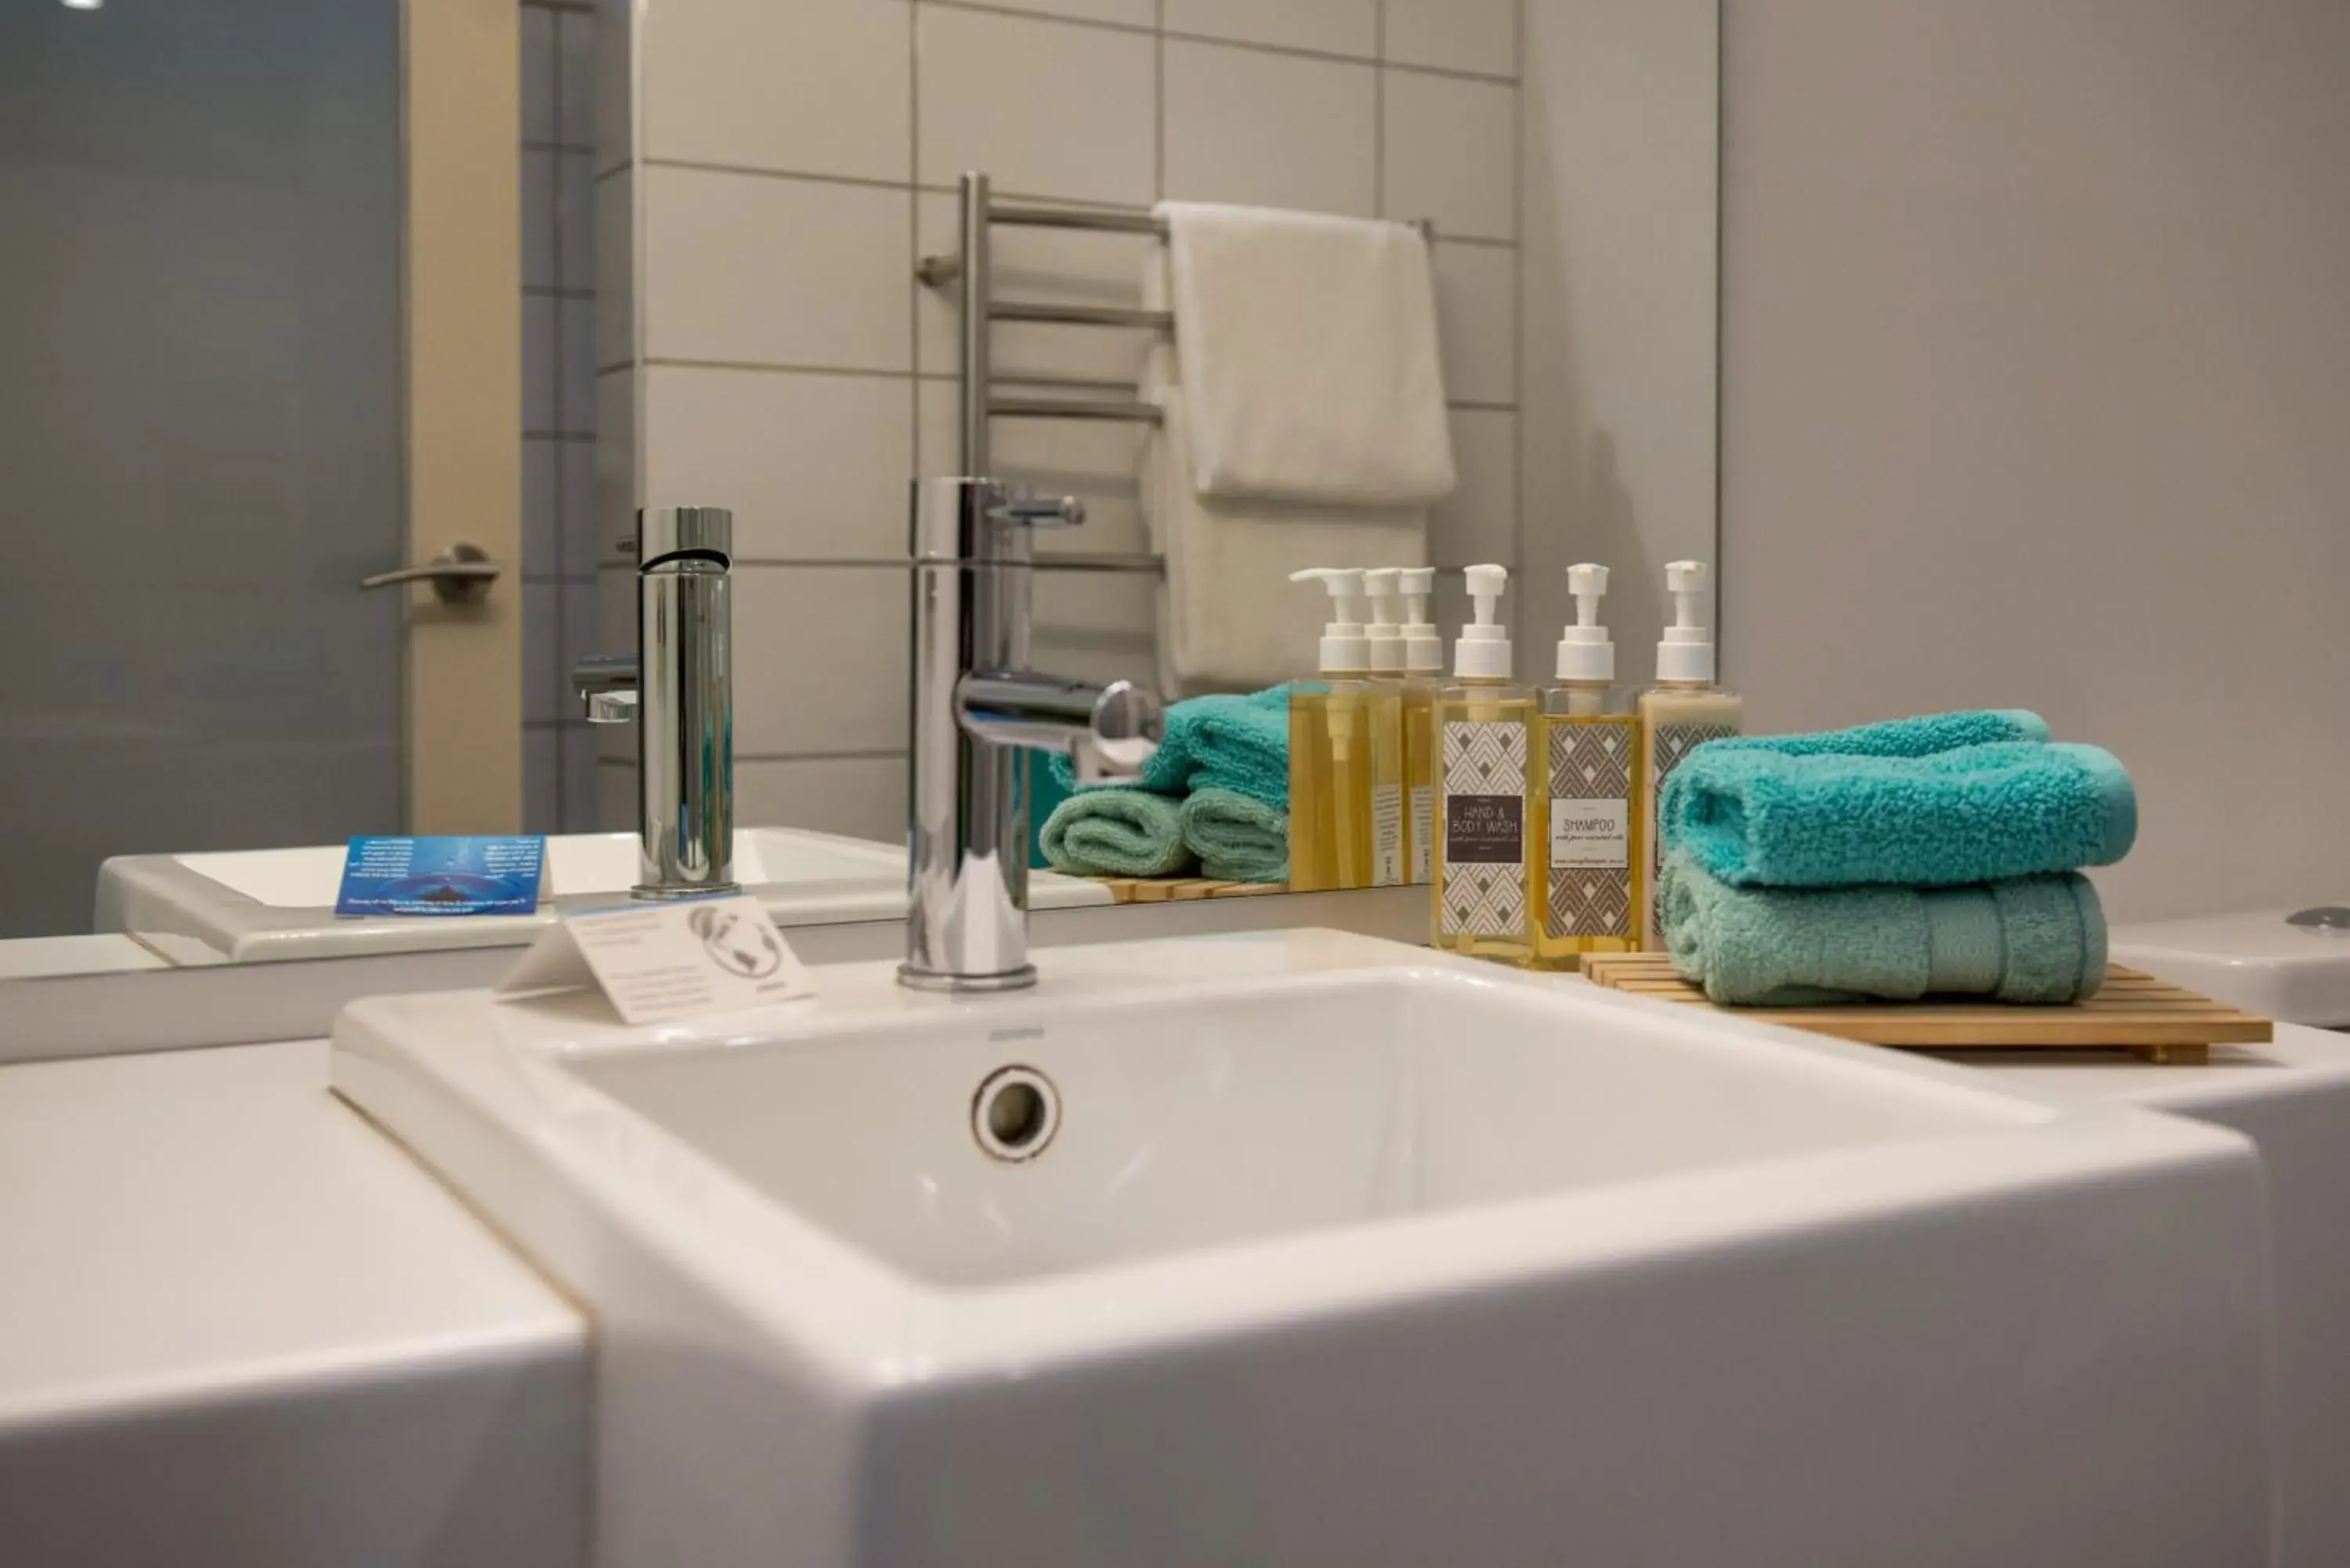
864 797
1125 13
1458 35
616 130
542 645
752 268
616 461
1099 463
814 86
1477 321
578 781
542 767
577 551
613 207
575 406
542 551
1046 109
1278 130
819 660
538 363
815 467
615 789
1065 266
538 220
615 629
538 69
575 220
1478 522
1452 153
581 638
1334 27
1095 625
576 79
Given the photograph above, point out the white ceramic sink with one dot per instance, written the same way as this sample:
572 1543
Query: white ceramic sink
1297 1248
255 904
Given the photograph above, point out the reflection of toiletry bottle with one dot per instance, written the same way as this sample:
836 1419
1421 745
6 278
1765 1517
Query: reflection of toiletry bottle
1330 749
1594 873
1423 682
1390 839
1487 862
1680 712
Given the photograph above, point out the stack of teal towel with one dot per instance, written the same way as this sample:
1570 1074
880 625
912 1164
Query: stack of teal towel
1215 799
1933 855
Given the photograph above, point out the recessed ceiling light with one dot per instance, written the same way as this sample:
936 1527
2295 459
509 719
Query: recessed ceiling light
84 5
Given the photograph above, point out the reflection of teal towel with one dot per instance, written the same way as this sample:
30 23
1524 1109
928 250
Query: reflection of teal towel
1238 837
2027 940
1239 744
1761 817
1116 832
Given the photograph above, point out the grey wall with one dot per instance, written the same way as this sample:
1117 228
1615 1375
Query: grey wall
2036 390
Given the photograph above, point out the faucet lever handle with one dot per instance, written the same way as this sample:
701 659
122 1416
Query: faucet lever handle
1028 512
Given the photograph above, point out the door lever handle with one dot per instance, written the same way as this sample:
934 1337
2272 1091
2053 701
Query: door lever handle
459 574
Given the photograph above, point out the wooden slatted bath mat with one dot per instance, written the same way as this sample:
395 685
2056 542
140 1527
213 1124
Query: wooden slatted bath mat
2152 1019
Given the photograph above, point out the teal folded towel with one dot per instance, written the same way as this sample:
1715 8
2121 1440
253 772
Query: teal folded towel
1239 744
1238 837
1116 832
1754 817
1917 737
2024 939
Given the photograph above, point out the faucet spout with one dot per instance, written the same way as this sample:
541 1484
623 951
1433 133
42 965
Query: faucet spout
1108 732
976 710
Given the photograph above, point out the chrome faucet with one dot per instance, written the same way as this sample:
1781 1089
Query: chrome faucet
976 707
678 688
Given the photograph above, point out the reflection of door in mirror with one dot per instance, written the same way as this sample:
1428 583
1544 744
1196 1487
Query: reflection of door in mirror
209 440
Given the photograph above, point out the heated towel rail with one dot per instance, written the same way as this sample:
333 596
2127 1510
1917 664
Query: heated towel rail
977 399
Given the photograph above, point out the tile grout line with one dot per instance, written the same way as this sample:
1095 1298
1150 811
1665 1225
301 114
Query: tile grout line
1380 110
1137 29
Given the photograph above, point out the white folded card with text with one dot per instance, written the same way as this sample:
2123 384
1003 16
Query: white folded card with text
661 961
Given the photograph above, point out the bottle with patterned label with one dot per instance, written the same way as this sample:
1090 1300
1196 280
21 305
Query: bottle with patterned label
1595 869
1680 712
1488 858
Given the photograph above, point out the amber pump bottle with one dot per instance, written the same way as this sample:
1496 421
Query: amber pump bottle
1330 837
1594 873
1487 863
1680 712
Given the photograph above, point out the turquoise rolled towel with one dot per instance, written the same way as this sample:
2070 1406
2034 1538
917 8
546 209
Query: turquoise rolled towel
1116 832
1238 837
1234 743
2025 940
1753 816
1917 737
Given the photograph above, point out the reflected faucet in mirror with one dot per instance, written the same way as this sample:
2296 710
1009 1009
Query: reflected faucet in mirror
679 690
976 709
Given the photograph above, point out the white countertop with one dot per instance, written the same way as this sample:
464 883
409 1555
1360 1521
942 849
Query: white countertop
208 1256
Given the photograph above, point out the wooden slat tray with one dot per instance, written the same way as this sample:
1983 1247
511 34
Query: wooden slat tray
1176 889
2152 1019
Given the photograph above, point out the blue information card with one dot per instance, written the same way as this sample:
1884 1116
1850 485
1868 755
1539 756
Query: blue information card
443 876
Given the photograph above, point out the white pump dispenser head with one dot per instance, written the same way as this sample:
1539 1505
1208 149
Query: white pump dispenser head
1483 651
1386 631
1423 648
1686 655
1344 647
1584 653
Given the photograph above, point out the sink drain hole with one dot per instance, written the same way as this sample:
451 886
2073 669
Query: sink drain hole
1016 1114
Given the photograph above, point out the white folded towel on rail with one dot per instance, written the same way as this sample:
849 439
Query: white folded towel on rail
1310 359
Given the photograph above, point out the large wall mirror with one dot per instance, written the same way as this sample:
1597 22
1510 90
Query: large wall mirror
284 319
